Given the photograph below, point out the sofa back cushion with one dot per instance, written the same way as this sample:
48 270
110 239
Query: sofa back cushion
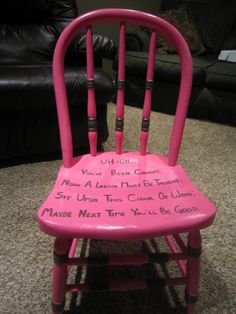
180 19
13 11
29 29
214 19
230 40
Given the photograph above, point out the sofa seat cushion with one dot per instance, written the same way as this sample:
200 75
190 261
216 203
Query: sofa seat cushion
20 84
222 75
167 66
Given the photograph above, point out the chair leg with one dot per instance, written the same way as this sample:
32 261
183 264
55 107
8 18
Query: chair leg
193 270
59 275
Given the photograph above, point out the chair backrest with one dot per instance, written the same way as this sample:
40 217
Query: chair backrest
121 16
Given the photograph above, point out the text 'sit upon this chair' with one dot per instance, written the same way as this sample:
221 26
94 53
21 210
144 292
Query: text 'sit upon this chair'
124 195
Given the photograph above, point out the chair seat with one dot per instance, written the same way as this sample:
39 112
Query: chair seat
123 197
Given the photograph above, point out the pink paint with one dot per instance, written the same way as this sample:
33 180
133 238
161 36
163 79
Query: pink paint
150 75
123 195
120 91
119 140
173 249
93 143
143 143
90 73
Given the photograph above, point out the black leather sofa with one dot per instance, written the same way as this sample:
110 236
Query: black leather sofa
28 120
214 82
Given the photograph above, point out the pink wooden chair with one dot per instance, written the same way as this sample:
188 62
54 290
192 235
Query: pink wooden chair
124 195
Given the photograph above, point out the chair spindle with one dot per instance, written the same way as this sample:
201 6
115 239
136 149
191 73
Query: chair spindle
120 93
148 95
92 121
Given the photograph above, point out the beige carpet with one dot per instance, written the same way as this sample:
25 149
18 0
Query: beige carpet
209 156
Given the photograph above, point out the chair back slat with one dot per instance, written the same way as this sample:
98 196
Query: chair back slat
148 94
120 93
92 122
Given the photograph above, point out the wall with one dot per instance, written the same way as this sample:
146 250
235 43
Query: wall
151 6
111 30
145 5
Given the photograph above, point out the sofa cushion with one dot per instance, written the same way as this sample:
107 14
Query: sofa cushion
27 43
169 5
214 19
167 66
186 26
29 29
12 11
20 84
24 11
181 20
222 75
63 9
230 41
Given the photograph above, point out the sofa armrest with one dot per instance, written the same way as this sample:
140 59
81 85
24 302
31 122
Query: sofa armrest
137 40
